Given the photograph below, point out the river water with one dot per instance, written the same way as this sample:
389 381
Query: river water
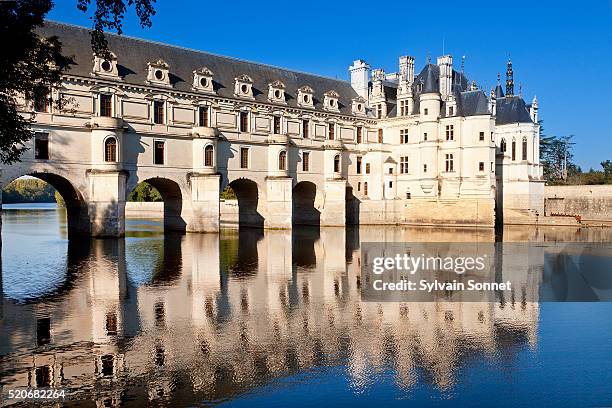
274 318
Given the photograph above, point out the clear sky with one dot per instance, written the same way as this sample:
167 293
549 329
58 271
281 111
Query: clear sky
561 50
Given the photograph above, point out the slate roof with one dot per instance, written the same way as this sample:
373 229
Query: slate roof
133 54
512 109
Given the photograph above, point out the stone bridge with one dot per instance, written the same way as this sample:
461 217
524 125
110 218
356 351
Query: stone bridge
96 166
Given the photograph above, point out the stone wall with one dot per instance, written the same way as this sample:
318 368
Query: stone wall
590 202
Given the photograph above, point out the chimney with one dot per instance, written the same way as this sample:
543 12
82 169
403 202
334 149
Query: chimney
406 68
445 63
360 72
533 110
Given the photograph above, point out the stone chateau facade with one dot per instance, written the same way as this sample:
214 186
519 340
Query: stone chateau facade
410 147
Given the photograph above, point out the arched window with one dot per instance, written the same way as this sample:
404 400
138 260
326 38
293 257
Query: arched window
209 156
524 148
513 149
502 146
282 160
110 150
337 163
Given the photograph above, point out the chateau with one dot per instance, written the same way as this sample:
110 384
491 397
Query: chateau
412 147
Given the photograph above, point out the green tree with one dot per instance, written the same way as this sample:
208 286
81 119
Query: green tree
145 192
607 168
31 65
28 190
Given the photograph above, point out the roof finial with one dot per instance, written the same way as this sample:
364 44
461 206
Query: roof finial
521 89
498 78
509 78
428 57
463 65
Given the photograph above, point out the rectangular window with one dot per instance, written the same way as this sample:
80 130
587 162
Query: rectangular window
425 111
365 188
203 116
158 112
359 186
41 102
277 125
424 137
244 122
244 158
451 110
408 195
403 136
424 168
379 111
390 184
492 137
159 152
449 162
359 164
367 168
481 166
481 136
404 108
390 170
305 129
492 167
331 133
450 132
380 135
105 105
41 146
305 161
359 130
513 150
404 165
524 149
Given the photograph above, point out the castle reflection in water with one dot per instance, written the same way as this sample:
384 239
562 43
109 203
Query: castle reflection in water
202 317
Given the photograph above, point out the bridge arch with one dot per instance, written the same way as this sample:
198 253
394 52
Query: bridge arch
77 212
248 195
304 209
173 199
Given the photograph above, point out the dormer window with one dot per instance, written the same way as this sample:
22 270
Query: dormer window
203 80
330 100
305 97
105 67
276 92
243 86
159 73
358 106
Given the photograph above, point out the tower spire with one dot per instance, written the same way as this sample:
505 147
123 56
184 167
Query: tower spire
509 79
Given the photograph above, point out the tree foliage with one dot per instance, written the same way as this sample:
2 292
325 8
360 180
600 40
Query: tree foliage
109 14
32 65
28 190
145 192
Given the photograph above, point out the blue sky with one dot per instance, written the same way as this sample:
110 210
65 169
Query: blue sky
561 50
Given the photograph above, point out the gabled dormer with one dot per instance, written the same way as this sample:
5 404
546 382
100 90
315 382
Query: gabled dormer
243 86
203 80
358 106
106 68
276 92
305 97
159 73
330 101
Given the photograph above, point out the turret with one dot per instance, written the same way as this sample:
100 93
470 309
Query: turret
360 72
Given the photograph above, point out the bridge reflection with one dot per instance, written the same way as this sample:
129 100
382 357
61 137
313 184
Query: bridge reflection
204 317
